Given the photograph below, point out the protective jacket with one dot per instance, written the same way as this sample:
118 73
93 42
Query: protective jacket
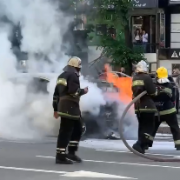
67 94
165 99
143 82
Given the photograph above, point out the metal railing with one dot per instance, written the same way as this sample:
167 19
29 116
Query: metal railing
146 47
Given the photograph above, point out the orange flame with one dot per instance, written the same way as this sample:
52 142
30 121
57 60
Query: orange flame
124 85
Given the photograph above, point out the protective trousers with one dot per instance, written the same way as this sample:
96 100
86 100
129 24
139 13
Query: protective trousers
69 135
145 129
171 120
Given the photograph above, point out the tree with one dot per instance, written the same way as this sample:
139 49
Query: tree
116 38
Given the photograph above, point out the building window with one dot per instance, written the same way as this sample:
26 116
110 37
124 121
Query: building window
101 29
175 30
108 17
162 30
112 32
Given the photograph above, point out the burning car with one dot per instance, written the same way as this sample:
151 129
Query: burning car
102 126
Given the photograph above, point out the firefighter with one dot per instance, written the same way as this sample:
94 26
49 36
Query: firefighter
145 108
165 105
66 105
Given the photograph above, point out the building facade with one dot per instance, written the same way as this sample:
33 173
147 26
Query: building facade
169 56
160 19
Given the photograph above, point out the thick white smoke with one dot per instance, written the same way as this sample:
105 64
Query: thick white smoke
23 114
91 101
130 121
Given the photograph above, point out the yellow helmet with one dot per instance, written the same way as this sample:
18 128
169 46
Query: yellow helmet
75 62
162 73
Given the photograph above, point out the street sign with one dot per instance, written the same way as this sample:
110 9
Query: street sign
145 3
174 55
169 54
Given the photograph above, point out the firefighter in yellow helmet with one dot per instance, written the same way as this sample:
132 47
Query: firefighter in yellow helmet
145 108
165 104
66 105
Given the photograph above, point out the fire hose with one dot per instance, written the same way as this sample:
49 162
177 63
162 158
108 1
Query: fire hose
153 158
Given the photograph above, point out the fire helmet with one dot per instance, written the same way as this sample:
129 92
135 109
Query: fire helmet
142 67
162 73
75 62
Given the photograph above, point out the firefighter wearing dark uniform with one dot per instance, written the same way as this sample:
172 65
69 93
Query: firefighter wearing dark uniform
145 108
165 105
66 105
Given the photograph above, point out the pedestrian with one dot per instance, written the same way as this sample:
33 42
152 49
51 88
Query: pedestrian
66 106
137 36
145 108
165 105
144 40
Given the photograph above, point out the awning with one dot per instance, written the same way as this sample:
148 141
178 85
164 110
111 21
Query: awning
174 1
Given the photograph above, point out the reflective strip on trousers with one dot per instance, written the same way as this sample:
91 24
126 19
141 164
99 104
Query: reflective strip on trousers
61 150
177 142
148 136
169 111
73 143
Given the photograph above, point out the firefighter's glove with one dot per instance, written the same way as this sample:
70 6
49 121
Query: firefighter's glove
158 90
83 129
86 90
56 115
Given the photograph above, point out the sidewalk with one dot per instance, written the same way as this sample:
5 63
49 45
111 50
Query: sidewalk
167 137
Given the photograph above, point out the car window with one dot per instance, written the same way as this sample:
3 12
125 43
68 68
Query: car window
107 87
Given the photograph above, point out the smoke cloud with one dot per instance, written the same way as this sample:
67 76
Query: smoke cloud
25 114
130 122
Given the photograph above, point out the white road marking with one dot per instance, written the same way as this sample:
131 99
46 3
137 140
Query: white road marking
68 174
168 155
32 170
89 174
118 163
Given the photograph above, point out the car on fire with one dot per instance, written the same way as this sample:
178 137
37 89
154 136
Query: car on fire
102 126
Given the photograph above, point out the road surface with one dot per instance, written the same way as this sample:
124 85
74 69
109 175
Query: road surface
34 160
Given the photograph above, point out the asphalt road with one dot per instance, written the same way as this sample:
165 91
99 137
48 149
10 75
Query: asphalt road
34 160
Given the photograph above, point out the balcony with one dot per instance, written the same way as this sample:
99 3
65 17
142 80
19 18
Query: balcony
146 47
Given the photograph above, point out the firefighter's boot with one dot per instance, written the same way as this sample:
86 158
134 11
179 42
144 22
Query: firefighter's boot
137 146
73 157
177 147
61 158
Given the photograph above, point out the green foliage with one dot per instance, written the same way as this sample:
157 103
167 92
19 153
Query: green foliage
120 48
121 54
